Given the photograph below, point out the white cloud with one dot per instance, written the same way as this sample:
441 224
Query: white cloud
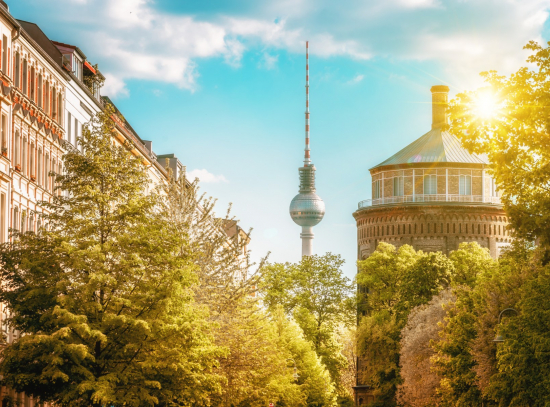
356 79
114 86
205 176
133 39
268 61
418 3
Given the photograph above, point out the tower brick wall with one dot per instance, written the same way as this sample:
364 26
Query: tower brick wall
432 228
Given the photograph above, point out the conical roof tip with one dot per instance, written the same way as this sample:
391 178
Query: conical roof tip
436 146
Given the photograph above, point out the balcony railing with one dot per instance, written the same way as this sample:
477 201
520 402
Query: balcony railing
421 198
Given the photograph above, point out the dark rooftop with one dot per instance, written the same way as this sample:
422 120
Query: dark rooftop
42 40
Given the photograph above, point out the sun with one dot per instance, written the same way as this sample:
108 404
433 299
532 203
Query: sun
486 105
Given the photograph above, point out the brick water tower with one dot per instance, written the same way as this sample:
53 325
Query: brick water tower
433 195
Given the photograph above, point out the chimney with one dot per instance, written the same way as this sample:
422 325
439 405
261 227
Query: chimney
440 97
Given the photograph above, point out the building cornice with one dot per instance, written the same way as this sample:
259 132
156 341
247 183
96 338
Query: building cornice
444 207
411 166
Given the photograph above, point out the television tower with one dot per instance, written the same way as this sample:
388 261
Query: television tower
307 208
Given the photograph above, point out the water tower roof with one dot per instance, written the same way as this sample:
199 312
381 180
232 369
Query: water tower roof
435 146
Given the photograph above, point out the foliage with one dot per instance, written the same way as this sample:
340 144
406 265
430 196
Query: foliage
260 348
93 80
466 354
103 294
225 274
419 383
347 337
396 280
382 274
516 140
430 274
255 369
319 298
523 369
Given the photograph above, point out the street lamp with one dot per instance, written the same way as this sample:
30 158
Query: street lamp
295 374
500 338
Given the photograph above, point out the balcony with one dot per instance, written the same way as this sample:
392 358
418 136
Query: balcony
422 198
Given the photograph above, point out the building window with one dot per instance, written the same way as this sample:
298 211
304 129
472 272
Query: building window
5 54
377 189
60 108
32 84
4 135
494 189
398 186
47 172
17 69
76 133
25 75
430 184
465 185
69 133
3 218
40 167
40 91
32 171
47 98
54 104
24 158
77 67
16 148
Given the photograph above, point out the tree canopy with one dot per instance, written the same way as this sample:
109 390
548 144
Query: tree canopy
316 294
515 138
102 294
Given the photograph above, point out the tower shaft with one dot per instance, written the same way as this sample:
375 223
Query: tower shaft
307 240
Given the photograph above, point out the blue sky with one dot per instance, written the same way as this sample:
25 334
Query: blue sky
221 84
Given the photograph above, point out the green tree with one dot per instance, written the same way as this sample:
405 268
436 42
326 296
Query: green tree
313 378
319 298
381 274
516 139
103 293
522 369
430 274
466 354
396 281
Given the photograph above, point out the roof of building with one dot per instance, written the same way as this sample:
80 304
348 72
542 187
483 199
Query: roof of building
72 47
43 41
435 146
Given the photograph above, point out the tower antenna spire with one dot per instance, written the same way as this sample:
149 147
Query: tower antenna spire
307 158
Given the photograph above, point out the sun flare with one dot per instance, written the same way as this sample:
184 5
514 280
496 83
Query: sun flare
486 105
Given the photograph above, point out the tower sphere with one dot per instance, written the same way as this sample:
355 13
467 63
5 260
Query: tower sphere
307 209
